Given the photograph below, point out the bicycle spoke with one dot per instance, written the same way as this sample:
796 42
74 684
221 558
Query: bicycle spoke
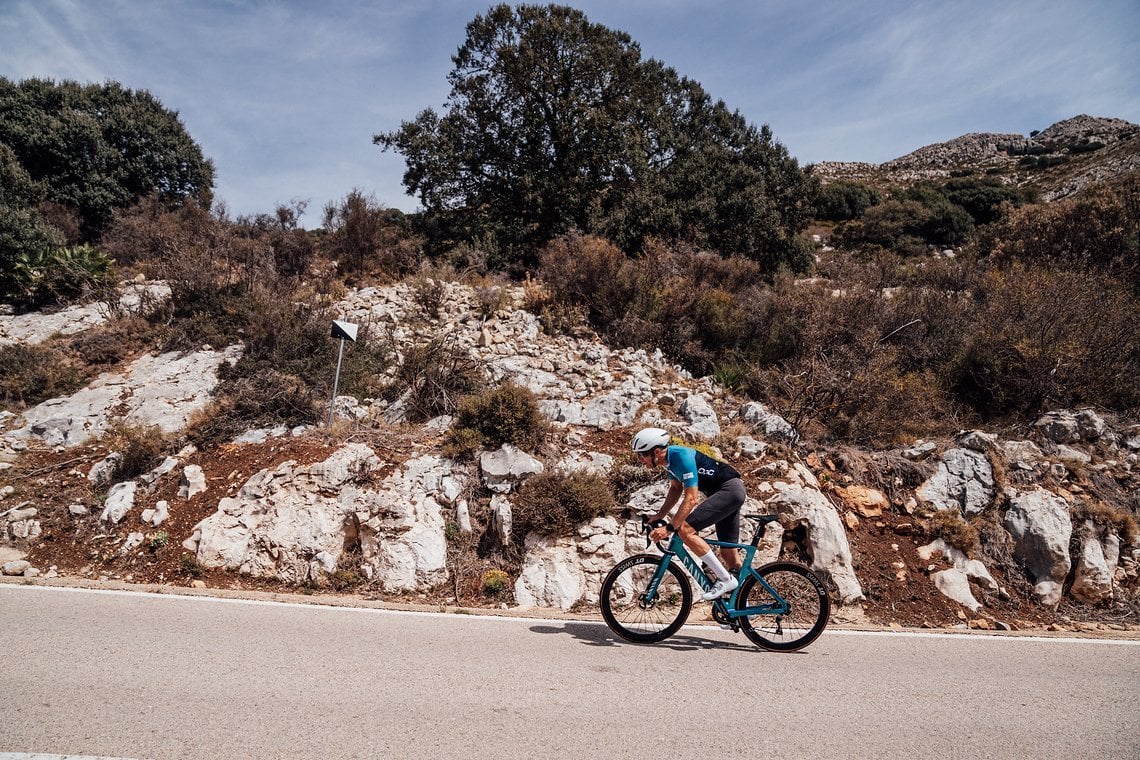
628 609
807 612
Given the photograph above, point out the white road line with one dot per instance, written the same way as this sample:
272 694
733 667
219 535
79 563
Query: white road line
472 616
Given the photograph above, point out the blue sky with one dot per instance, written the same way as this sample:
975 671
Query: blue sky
285 95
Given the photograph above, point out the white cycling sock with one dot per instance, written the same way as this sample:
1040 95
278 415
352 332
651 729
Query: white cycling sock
714 564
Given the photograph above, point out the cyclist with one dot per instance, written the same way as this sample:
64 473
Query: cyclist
690 474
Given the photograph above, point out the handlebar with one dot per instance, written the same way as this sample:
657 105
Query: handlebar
647 527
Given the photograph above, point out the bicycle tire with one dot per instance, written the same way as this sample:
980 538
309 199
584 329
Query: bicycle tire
626 613
804 621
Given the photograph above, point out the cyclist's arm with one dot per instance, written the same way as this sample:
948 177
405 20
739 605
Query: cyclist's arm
670 499
688 503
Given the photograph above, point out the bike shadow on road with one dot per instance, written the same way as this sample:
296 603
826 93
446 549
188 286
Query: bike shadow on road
595 635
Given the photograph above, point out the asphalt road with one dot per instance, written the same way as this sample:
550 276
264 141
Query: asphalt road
161 676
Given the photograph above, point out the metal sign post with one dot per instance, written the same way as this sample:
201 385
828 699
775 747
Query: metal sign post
344 331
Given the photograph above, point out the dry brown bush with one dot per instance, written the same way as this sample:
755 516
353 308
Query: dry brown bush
553 504
1099 229
31 374
1045 335
436 375
949 526
140 448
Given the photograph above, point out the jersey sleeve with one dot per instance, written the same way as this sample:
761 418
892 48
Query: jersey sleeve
682 465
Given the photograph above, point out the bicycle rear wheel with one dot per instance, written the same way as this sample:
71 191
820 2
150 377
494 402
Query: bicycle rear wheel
627 611
808 607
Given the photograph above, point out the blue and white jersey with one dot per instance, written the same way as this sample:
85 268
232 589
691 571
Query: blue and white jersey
690 467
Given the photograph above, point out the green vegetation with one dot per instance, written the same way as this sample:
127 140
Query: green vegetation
506 414
97 148
556 124
495 582
634 205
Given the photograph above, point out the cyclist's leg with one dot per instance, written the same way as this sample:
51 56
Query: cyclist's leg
723 510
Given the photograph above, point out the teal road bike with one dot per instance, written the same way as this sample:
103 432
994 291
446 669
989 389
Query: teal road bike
781 606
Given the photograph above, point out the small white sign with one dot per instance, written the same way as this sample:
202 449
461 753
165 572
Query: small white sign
344 330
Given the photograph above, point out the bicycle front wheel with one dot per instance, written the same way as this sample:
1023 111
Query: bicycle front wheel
627 608
808 607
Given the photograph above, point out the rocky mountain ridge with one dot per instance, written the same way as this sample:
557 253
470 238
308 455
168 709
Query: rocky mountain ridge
375 500
1062 159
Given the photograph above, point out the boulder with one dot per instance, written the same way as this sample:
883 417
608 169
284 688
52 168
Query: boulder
826 540
193 482
502 518
281 521
867 502
559 572
551 575
955 586
767 422
120 501
1065 426
964 481
1096 565
700 416
1040 525
972 569
506 467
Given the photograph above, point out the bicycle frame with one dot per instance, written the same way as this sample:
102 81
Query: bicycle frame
676 548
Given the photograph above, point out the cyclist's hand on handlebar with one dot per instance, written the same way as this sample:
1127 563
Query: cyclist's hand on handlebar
660 533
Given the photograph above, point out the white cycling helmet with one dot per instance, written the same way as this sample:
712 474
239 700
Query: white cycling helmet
649 439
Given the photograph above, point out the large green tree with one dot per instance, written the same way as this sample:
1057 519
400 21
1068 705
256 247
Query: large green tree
98 148
554 123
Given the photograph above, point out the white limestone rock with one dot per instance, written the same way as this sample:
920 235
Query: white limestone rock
161 391
193 482
120 501
826 538
506 467
1041 526
700 416
963 481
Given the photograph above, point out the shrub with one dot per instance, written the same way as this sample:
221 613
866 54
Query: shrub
948 525
495 582
115 341
189 566
1117 518
141 448
1042 336
363 236
31 374
506 414
1099 230
428 294
24 234
844 200
553 504
265 399
57 274
436 375
342 580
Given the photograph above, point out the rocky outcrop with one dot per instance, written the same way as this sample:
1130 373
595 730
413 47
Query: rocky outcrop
161 391
1040 524
296 522
36 327
826 540
964 481
389 517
